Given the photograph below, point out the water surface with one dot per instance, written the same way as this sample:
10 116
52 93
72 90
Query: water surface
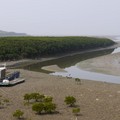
76 72
68 61
69 65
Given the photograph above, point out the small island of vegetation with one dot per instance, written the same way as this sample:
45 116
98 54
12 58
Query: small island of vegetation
14 48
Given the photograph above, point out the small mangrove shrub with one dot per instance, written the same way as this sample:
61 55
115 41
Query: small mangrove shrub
34 97
48 99
27 97
78 80
18 114
38 107
49 107
76 111
4 102
70 100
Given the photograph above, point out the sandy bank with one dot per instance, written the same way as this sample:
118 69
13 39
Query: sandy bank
53 68
108 64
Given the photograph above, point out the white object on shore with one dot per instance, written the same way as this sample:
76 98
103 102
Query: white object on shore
6 81
97 99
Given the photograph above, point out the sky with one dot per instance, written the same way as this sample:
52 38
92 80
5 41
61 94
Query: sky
61 17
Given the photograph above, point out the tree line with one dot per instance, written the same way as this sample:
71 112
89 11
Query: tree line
14 48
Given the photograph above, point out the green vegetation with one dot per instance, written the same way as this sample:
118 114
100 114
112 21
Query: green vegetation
40 102
76 111
70 100
18 114
4 102
13 48
34 97
78 80
27 97
48 99
44 104
49 107
38 107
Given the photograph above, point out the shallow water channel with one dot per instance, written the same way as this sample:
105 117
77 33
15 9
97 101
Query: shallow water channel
68 64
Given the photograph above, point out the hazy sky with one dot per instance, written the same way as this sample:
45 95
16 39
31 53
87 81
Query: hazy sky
61 17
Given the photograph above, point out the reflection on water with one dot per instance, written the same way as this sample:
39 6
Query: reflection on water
68 61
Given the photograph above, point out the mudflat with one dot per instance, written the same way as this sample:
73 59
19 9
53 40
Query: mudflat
97 100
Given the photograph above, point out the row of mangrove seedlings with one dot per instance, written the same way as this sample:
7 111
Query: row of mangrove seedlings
43 104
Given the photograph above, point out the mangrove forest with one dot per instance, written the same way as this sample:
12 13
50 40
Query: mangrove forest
14 48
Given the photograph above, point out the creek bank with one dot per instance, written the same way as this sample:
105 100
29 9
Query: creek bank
25 62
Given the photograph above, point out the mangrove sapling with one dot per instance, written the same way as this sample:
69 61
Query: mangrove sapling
6 101
26 103
48 99
78 80
35 96
27 97
0 104
76 111
49 107
38 107
40 97
18 114
70 100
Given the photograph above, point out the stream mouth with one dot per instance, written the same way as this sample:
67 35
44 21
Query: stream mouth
77 72
68 66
